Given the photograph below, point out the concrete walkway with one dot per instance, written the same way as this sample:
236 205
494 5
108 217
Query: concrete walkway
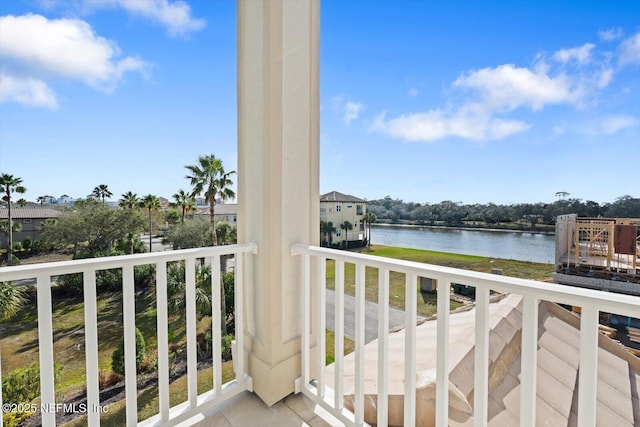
396 317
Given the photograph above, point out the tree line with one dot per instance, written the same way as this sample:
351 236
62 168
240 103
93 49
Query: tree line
523 215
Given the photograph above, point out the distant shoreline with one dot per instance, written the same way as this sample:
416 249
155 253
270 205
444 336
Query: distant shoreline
444 227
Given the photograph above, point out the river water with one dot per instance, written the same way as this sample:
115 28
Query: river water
495 244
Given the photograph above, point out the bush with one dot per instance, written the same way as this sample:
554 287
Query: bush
17 246
37 246
23 385
226 347
117 358
26 243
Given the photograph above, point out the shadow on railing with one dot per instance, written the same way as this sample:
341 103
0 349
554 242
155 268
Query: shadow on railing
313 381
89 268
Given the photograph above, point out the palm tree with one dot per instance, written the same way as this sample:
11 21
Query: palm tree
22 203
41 199
209 177
151 203
328 229
12 299
8 185
129 200
346 226
185 201
369 218
102 192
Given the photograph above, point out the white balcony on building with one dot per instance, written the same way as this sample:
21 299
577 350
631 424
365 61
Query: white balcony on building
517 359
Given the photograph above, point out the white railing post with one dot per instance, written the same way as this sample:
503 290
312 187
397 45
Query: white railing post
238 287
481 359
410 310
442 354
191 318
305 304
91 346
383 347
129 323
358 398
163 340
339 333
216 322
45 342
588 371
322 323
529 362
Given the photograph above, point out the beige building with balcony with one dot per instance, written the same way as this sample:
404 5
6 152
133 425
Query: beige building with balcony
337 208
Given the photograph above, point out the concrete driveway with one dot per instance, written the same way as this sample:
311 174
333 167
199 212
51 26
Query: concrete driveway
396 317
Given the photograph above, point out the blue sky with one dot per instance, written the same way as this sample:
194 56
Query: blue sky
475 102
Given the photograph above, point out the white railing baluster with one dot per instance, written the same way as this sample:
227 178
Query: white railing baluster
45 342
163 340
339 333
129 315
239 319
383 347
216 323
529 362
588 371
322 323
442 354
91 346
192 355
481 359
410 312
305 304
358 401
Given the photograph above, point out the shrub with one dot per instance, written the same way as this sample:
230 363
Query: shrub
226 347
23 385
26 243
117 358
17 246
37 246
108 378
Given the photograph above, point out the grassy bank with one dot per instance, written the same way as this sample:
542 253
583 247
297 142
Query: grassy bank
521 269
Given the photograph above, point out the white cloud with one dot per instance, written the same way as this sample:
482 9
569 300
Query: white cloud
580 54
351 111
507 87
435 125
480 101
614 124
413 92
175 16
605 77
610 34
630 50
29 92
38 49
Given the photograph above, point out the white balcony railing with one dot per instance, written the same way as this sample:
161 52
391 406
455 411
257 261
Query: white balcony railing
88 267
590 301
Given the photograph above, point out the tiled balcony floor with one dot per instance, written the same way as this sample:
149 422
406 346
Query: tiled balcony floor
247 410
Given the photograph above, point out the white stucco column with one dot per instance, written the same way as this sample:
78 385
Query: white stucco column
278 177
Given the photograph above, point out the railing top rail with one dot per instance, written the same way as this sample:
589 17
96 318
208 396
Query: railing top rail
628 305
29 271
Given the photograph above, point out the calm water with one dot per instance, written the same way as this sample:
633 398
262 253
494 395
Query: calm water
507 245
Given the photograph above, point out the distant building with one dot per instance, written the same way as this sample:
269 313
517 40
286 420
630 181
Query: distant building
222 212
30 219
337 208
598 253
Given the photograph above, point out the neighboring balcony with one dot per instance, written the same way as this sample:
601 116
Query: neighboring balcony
513 358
